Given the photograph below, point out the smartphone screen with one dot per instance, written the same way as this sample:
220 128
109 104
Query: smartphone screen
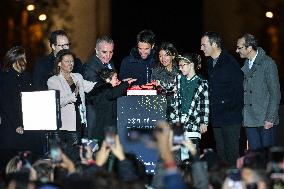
93 144
178 136
55 155
178 139
110 136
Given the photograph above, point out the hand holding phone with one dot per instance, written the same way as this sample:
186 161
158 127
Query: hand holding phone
103 154
117 149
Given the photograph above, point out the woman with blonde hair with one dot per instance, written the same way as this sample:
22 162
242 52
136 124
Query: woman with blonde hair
14 165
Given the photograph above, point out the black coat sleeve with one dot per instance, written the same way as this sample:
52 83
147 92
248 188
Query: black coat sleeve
117 91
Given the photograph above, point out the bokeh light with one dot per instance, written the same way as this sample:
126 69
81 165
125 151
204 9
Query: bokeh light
31 7
269 14
42 17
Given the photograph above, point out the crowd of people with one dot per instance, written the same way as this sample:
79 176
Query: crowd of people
227 98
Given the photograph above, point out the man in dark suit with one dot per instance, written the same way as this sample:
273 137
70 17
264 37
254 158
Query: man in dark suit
226 96
261 93
44 67
91 69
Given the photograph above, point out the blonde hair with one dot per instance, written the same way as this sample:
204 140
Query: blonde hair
12 165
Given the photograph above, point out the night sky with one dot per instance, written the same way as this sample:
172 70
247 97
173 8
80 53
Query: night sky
179 22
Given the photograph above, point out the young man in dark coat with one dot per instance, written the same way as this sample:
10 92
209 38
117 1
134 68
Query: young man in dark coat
226 96
139 63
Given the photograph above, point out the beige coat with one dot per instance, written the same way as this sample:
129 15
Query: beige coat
67 98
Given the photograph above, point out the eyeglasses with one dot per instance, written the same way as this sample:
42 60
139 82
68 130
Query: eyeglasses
239 48
64 45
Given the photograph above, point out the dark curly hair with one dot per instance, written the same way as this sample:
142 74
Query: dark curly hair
59 58
106 74
170 50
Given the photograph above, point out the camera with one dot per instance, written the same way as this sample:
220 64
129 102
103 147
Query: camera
89 147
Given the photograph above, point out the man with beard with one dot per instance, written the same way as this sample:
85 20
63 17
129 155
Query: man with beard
139 63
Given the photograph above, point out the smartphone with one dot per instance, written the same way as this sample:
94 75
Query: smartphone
178 136
55 154
93 144
110 136
178 139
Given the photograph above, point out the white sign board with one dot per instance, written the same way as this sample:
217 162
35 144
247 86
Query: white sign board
40 110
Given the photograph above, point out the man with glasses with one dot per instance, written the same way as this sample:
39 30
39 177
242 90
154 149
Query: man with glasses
261 93
226 96
44 67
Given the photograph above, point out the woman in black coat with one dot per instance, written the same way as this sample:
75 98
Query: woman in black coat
104 98
14 80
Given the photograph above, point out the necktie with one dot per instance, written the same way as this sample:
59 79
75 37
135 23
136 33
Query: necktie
107 66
